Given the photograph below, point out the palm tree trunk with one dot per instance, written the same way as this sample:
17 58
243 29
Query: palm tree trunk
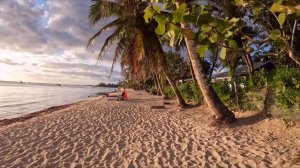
179 98
156 85
159 86
191 69
221 112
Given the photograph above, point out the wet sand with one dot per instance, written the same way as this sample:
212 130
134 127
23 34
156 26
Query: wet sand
104 132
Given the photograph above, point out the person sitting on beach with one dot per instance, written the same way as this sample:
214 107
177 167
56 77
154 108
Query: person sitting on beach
124 96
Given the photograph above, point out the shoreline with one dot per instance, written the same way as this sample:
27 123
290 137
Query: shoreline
49 110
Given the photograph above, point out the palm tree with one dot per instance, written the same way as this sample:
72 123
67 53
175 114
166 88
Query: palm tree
221 112
137 43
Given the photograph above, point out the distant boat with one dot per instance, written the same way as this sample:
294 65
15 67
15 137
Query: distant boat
59 85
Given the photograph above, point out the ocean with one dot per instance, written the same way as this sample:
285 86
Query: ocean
18 99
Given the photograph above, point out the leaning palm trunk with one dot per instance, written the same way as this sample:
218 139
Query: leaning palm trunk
156 85
221 112
159 86
179 98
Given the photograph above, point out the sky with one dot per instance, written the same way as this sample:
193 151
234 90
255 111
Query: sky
45 41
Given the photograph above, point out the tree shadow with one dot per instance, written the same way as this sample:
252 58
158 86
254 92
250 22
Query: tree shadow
249 120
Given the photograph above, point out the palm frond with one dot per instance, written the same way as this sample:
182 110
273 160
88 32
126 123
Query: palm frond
121 47
101 9
114 36
110 25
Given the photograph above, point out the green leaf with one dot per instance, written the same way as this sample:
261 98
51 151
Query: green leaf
239 2
282 8
223 53
233 44
278 2
179 14
156 8
206 28
202 36
161 27
275 34
171 34
201 49
257 10
277 8
213 38
281 18
147 14
228 34
234 20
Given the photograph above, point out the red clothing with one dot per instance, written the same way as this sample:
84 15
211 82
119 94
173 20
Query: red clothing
125 95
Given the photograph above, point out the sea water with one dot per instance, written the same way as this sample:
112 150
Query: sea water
18 98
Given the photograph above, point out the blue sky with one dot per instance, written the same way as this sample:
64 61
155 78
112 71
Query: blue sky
45 41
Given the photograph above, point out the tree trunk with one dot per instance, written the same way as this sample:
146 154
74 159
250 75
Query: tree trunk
191 69
179 98
159 86
156 85
249 63
221 112
234 85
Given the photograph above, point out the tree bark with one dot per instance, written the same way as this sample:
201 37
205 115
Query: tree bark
179 98
156 84
221 112
234 85
159 86
191 69
249 63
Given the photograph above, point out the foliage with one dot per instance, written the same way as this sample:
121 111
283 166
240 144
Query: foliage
286 84
178 67
212 24
169 92
189 91
223 90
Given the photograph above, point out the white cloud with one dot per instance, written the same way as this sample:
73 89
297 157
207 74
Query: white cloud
40 40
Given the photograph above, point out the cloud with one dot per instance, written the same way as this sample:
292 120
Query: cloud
51 34
10 62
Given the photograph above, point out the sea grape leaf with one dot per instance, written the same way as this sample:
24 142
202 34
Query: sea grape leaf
179 14
147 14
233 44
206 28
202 36
239 2
201 49
223 53
275 34
156 8
213 38
281 18
161 27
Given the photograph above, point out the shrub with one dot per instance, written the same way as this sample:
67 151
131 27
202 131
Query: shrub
169 92
189 92
223 91
286 84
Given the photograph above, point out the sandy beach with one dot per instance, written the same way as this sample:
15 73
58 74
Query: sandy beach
145 132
